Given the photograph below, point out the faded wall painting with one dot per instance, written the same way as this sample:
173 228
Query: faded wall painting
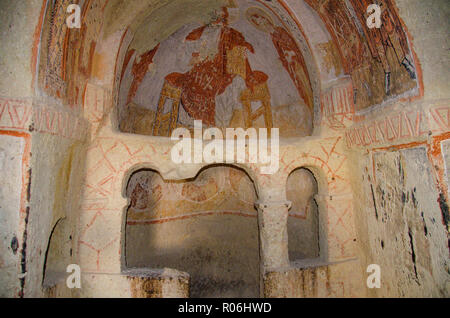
379 61
54 52
243 69
152 198
66 56
206 227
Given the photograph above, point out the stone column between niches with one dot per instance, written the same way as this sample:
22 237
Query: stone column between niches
272 219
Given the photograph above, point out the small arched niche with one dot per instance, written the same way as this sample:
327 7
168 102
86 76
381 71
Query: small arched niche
206 226
303 221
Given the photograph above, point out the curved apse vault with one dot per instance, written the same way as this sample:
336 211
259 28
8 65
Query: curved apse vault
242 68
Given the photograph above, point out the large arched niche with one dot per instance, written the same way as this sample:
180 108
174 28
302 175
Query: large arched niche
169 64
307 190
206 226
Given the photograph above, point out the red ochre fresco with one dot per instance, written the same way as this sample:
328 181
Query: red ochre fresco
210 78
36 42
290 56
140 68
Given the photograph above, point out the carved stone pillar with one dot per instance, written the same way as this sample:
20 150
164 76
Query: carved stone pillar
272 218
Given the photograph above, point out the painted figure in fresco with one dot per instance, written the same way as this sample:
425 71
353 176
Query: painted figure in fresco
336 17
288 51
144 192
390 34
211 75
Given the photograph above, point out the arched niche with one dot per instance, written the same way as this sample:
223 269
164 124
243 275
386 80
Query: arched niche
303 221
317 196
206 226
